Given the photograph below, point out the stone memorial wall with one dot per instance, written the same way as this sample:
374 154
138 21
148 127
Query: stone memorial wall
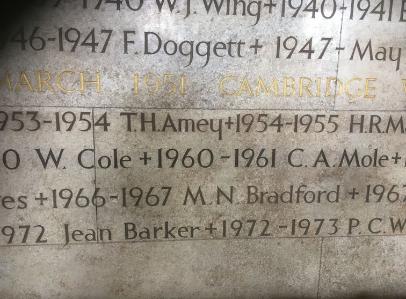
203 149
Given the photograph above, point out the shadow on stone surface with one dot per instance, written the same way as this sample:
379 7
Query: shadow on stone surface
363 295
366 295
13 12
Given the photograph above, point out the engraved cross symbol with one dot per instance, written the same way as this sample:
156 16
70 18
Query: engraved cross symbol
396 158
210 228
271 5
353 193
145 158
229 123
41 199
256 46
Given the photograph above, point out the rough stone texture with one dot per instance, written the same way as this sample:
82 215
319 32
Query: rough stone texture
204 269
369 267
316 264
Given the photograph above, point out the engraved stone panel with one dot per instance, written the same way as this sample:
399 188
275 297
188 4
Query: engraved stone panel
207 149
